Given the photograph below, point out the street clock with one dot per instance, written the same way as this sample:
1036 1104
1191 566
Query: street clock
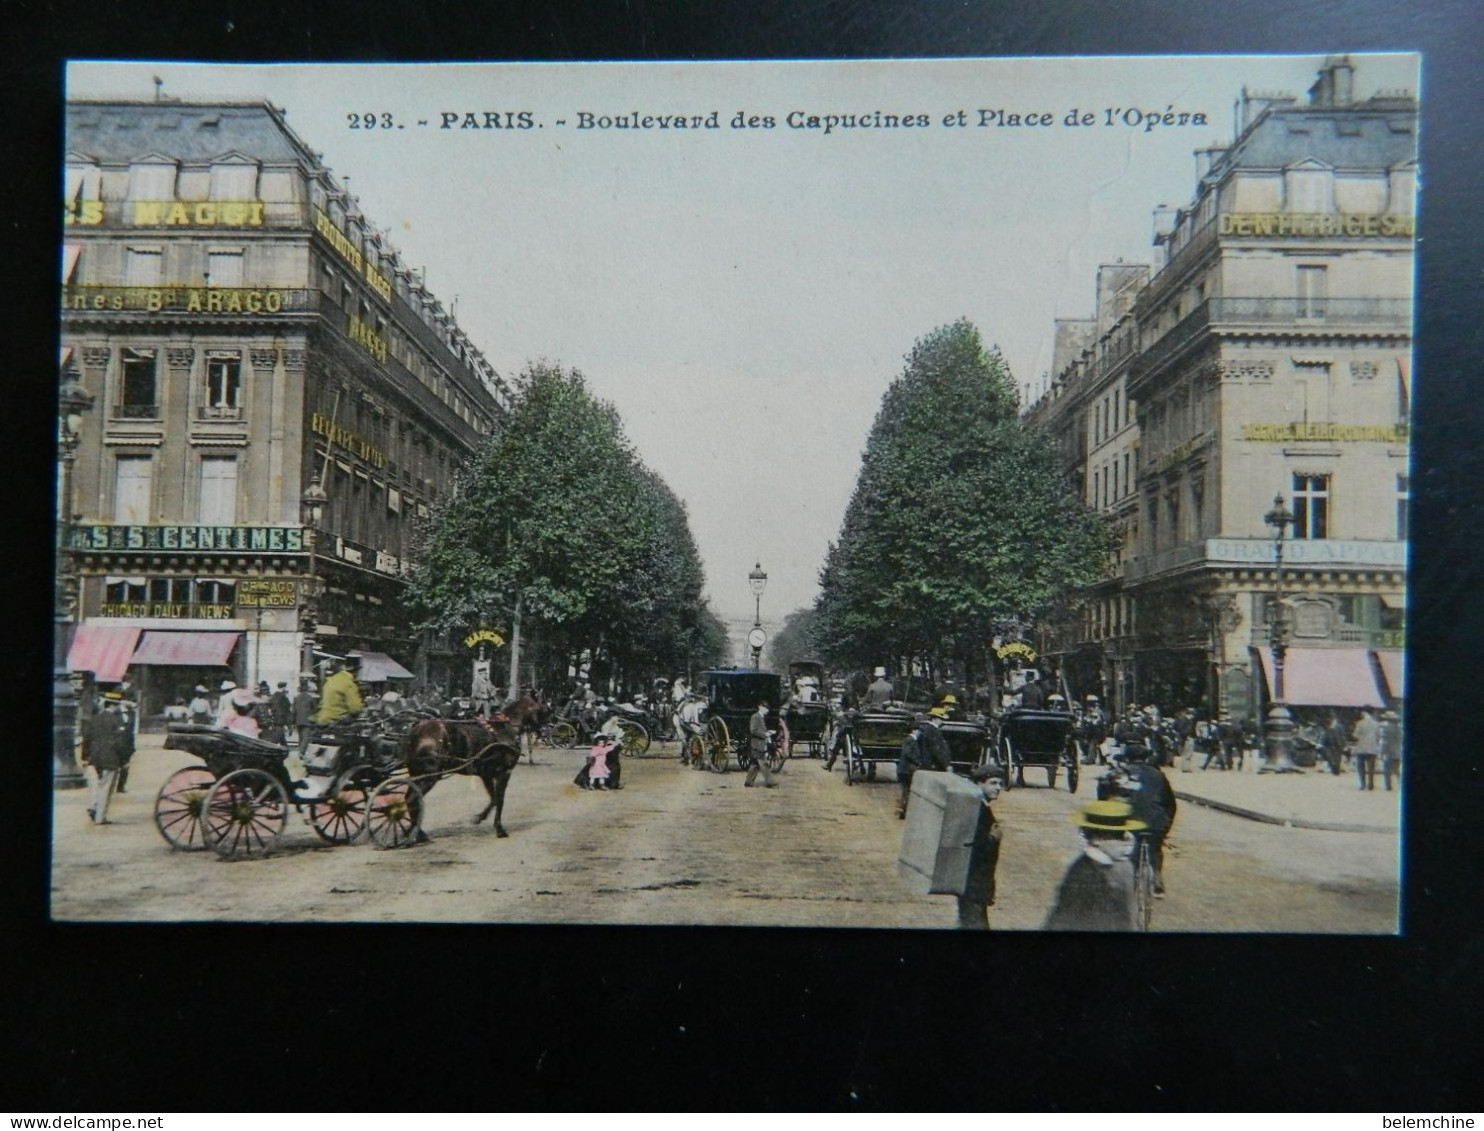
756 639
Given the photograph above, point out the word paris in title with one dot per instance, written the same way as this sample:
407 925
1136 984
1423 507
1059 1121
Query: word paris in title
1126 117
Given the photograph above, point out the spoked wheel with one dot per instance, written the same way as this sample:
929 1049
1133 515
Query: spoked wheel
394 815
564 736
853 765
1072 775
1007 760
635 740
718 745
1143 886
245 814
693 753
179 807
340 816
779 753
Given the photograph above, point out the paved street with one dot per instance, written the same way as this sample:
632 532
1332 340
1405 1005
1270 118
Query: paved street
678 846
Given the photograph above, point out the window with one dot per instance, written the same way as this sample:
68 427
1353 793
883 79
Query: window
1403 499
170 590
218 491
133 477
1127 483
123 590
136 399
1311 506
143 267
1172 504
1313 287
224 267
234 182
223 386
212 592
152 182
83 183
1197 502
1308 190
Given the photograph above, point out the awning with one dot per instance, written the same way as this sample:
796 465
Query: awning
377 667
103 649
70 252
1392 669
1325 677
186 649
66 356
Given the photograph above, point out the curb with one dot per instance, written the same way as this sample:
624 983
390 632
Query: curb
1288 822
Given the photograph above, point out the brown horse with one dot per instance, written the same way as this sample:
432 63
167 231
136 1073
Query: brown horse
485 747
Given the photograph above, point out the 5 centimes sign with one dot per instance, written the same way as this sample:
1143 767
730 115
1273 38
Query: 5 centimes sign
287 539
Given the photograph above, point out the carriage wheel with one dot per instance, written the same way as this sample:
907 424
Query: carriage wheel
245 814
693 753
394 815
718 745
1072 775
635 740
179 806
1007 761
340 816
564 736
1051 775
852 761
780 751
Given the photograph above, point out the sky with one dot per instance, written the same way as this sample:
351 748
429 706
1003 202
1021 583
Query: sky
745 295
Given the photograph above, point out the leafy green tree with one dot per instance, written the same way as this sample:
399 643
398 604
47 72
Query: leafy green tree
794 641
958 518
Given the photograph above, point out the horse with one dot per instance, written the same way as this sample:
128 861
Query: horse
690 722
489 748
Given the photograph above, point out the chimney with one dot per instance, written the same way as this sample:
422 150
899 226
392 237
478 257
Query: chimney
1336 83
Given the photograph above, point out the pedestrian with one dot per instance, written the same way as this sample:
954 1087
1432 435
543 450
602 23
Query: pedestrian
844 731
1097 892
306 703
1202 738
240 713
1365 745
1332 744
177 712
1251 742
1146 789
282 707
923 749
881 692
1183 726
1092 729
1226 738
200 707
595 772
1390 747
1032 695
984 853
107 745
757 746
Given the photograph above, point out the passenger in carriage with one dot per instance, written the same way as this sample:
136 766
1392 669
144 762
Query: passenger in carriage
240 712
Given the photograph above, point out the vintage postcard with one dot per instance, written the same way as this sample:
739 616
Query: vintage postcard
949 493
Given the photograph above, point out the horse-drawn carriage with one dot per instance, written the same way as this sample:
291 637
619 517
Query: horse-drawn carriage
238 802
1037 738
578 727
807 713
717 728
876 736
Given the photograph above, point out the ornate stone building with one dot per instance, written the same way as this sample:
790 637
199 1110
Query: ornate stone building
246 332
1269 355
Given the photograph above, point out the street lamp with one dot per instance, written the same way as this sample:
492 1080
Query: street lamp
1279 726
312 504
758 581
73 403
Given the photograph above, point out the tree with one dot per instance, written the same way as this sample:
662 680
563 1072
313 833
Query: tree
795 640
958 518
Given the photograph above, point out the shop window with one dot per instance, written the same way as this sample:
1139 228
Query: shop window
143 266
1311 506
133 481
224 267
223 386
138 377
218 491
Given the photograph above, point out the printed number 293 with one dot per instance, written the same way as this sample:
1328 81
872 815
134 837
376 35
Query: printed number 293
370 121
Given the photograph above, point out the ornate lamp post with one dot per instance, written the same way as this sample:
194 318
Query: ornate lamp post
758 581
73 403
1279 726
312 504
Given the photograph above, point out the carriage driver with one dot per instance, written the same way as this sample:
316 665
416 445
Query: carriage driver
341 696
881 692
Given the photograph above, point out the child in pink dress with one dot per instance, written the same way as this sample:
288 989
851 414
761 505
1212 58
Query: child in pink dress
597 773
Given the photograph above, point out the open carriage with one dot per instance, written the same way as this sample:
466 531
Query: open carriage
238 802
808 712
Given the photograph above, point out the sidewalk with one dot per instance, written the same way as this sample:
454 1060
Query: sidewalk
1314 799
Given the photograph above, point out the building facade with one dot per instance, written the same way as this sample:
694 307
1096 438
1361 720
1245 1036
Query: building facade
247 334
1268 354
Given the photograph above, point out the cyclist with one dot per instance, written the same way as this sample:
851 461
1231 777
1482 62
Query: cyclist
1147 790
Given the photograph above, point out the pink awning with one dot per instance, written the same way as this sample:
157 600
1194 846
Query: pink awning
1392 670
186 649
103 649
1325 677
70 252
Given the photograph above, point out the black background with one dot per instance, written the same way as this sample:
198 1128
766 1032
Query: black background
204 1017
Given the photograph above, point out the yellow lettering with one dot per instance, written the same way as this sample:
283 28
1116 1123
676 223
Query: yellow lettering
178 214
274 302
205 213
149 212
234 213
214 300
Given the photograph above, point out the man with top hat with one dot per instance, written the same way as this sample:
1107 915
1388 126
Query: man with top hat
341 696
1097 892
107 745
881 692
924 749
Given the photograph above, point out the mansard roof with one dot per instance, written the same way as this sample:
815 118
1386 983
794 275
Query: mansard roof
1378 134
192 133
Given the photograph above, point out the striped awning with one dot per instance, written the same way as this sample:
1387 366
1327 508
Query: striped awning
186 649
1392 662
103 649
377 667
1325 677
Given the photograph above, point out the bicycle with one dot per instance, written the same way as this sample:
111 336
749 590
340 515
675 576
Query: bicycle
1143 865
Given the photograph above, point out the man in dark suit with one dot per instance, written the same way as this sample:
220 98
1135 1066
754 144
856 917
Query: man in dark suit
107 745
757 746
